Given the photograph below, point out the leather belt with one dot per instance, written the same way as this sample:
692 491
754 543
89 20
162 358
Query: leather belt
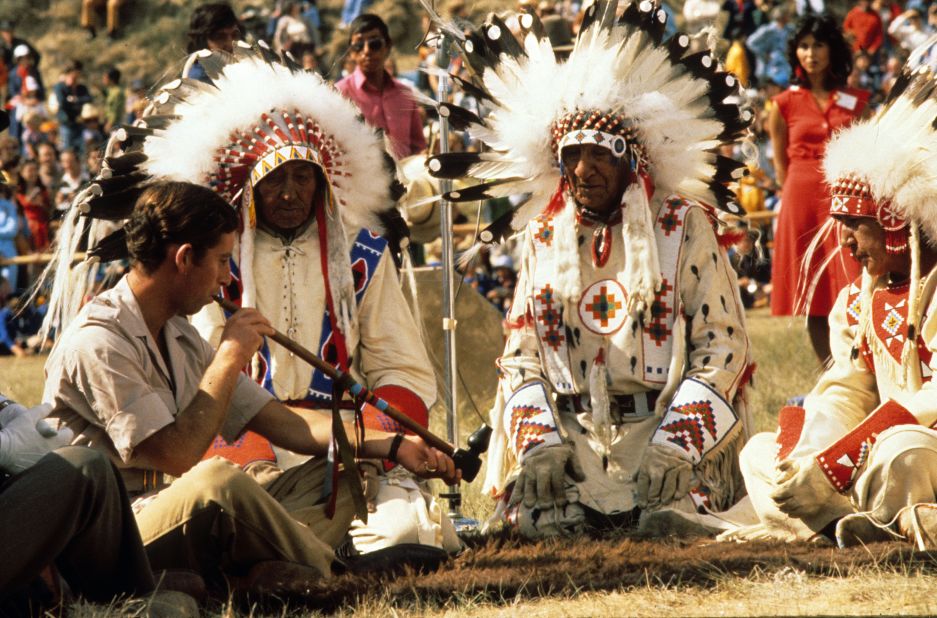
622 408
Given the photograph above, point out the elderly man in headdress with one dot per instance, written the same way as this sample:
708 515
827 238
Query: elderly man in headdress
310 260
133 377
856 463
622 375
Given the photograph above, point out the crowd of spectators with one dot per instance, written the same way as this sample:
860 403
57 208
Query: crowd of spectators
57 134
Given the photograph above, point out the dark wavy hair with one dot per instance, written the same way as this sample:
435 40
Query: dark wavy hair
206 20
169 213
825 29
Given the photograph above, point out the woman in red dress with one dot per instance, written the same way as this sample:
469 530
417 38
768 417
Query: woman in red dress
33 198
800 123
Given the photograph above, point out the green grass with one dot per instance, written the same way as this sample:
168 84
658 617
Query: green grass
786 365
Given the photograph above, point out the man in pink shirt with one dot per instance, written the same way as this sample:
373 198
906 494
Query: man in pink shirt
384 102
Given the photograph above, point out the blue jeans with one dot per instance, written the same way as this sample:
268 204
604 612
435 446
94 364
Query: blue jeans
70 137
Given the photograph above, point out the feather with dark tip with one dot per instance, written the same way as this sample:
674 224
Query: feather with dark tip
658 26
530 24
114 206
504 42
129 132
156 122
646 17
498 230
729 169
459 118
722 85
130 137
121 182
632 16
478 92
724 196
484 191
900 85
601 12
701 64
677 46
289 60
451 165
476 52
126 163
111 247
213 63
187 86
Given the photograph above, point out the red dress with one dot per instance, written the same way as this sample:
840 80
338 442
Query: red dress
37 206
805 199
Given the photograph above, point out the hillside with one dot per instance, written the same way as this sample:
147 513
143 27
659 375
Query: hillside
153 32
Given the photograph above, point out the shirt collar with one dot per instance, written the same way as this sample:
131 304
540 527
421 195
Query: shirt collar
361 82
130 315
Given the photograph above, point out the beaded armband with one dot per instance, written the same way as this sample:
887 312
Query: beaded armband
697 421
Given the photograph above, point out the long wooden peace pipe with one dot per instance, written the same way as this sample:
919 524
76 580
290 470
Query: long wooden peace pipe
468 461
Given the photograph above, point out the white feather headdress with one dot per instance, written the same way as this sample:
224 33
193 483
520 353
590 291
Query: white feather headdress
673 101
885 168
894 153
257 112
620 85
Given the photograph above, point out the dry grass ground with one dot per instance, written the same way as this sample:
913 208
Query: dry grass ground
625 576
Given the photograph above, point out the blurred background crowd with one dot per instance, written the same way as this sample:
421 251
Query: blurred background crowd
806 69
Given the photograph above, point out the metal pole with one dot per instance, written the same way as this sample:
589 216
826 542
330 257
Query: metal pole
448 289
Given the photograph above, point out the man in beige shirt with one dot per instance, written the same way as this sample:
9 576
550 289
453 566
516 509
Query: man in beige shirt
130 376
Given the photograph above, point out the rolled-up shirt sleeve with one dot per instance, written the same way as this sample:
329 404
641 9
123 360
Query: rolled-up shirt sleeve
246 401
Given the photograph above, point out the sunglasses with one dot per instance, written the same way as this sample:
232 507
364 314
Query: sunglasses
375 44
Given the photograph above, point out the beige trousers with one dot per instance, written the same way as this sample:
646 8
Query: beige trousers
216 519
901 471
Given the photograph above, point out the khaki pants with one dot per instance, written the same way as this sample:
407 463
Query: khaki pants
216 519
89 7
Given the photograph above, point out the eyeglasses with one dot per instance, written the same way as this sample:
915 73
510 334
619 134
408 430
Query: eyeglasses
375 44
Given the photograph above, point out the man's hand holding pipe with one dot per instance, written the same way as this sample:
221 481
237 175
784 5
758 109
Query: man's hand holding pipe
421 459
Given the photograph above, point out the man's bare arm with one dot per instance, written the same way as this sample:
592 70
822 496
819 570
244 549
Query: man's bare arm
309 432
